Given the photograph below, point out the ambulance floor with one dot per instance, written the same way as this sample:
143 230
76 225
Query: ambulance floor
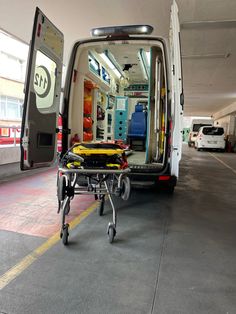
172 254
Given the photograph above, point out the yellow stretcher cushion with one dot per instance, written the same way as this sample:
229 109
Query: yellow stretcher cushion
85 151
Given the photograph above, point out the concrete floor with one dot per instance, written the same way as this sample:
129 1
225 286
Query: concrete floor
172 254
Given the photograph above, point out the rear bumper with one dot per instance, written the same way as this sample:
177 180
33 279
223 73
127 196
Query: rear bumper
145 179
218 145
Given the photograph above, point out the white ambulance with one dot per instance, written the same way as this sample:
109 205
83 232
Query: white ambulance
122 86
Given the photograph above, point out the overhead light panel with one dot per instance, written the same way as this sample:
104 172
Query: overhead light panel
209 24
207 56
148 57
144 62
111 62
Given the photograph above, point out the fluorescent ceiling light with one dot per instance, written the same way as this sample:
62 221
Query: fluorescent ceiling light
144 63
209 24
207 56
148 57
110 61
117 73
144 71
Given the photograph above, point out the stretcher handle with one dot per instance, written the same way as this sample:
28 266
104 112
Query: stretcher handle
94 171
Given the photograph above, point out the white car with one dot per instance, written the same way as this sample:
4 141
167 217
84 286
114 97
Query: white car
210 137
192 138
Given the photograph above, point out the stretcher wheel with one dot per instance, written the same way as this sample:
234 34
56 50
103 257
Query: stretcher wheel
65 234
61 188
111 233
125 188
101 206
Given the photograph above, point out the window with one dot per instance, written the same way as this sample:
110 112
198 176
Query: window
13 56
13 59
44 80
94 65
196 127
213 131
10 108
105 75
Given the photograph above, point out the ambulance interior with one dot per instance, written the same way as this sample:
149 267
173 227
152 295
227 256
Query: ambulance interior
118 91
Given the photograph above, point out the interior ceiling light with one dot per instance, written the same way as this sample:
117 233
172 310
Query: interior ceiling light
209 24
148 57
207 56
111 62
143 57
124 82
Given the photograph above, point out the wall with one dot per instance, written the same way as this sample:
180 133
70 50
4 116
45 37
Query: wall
228 123
9 155
75 18
226 119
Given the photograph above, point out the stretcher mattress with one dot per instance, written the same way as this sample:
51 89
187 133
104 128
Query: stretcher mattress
99 156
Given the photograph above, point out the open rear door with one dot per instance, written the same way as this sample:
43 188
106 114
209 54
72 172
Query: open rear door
42 94
177 97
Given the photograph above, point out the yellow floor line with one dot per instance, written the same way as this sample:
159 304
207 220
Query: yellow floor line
223 163
17 269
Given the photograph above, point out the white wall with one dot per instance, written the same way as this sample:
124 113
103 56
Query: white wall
75 18
9 155
228 123
226 119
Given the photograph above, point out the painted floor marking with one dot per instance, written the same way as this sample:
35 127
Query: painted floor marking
223 163
17 269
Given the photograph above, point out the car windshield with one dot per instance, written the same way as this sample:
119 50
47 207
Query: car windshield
213 131
196 127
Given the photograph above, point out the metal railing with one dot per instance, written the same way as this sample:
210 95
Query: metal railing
9 135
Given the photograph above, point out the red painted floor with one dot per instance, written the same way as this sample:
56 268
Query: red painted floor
29 205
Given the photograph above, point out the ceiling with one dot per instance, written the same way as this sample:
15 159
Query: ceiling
209 54
208 49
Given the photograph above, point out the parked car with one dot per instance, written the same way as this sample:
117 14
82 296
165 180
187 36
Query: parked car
192 138
195 127
210 137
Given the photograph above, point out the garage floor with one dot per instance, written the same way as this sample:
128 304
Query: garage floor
172 254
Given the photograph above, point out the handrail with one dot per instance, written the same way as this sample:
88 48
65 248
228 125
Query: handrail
11 138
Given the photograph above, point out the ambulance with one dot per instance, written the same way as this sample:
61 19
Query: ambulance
123 86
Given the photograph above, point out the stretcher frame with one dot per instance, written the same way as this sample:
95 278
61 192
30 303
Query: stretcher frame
100 183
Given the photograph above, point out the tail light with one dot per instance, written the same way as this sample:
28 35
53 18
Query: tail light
25 154
164 178
39 30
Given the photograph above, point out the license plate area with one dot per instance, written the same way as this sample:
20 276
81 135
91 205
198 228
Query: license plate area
212 142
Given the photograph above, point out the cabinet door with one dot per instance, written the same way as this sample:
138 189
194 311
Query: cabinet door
121 118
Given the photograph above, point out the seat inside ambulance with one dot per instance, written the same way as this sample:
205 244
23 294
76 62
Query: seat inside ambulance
138 128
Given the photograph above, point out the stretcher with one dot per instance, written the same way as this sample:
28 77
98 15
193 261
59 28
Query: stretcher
98 169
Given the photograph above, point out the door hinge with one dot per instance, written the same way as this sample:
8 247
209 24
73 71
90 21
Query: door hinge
173 69
63 131
66 131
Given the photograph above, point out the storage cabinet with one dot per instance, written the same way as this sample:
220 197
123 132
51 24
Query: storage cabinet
121 118
110 117
99 115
